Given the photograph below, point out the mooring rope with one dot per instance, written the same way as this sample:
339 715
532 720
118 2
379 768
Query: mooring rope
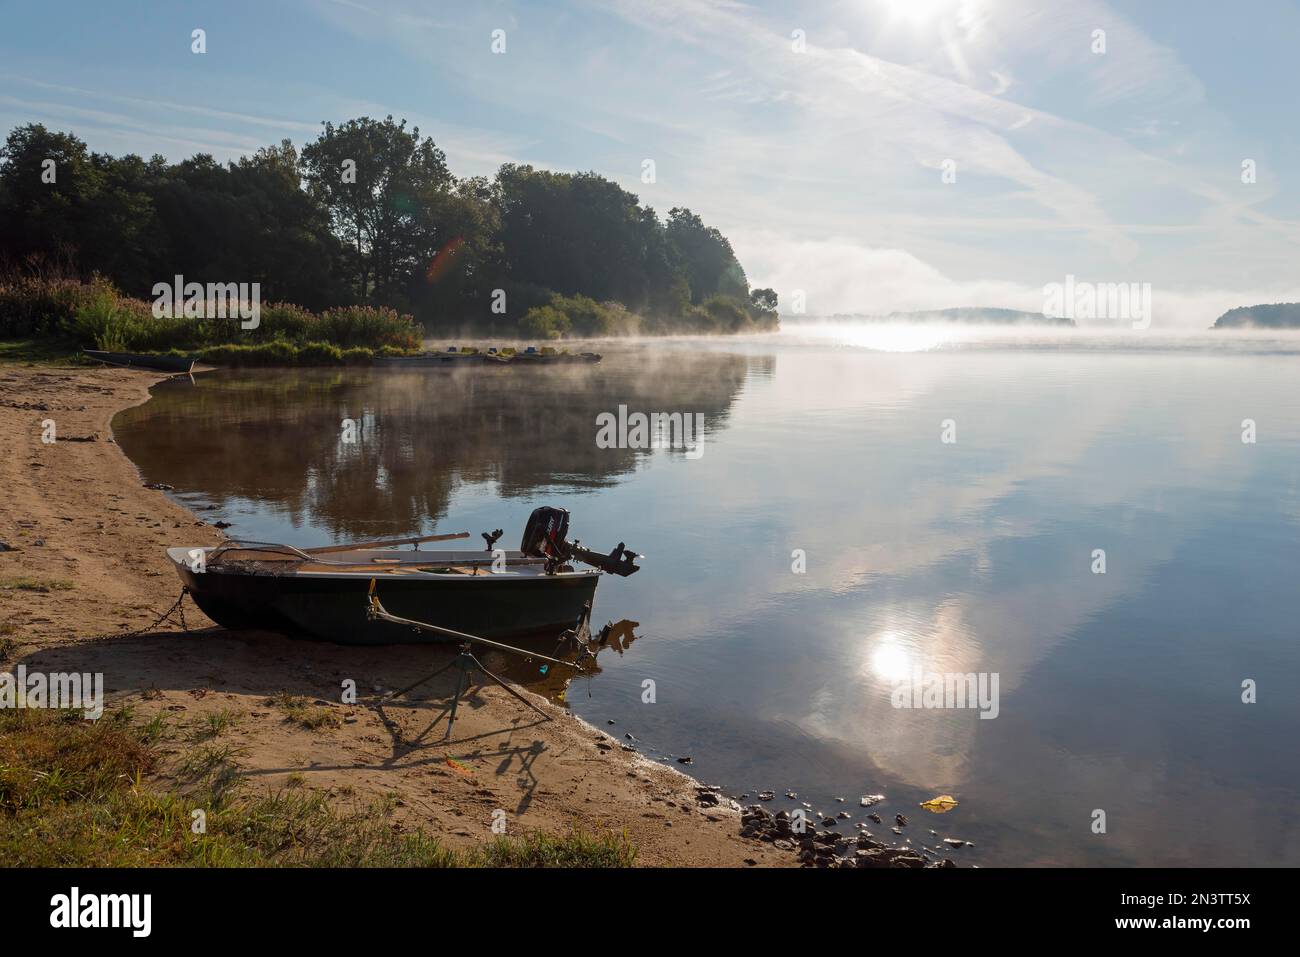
177 608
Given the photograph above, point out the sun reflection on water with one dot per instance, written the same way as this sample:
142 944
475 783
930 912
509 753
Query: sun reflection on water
890 660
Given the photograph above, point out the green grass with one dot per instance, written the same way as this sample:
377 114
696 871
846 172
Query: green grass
282 353
45 319
275 353
74 793
154 730
213 725
8 643
209 764
300 711
575 849
37 351
36 584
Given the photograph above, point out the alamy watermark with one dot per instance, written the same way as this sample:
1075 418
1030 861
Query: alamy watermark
653 430
948 690
215 300
74 909
1072 299
61 690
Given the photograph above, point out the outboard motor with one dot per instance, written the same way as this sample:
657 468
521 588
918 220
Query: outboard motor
546 536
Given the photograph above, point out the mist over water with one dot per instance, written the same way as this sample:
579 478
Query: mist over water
1119 691
887 336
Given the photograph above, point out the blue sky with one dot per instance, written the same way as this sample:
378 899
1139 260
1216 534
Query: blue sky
824 166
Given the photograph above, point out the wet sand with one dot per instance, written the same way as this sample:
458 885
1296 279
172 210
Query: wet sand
88 540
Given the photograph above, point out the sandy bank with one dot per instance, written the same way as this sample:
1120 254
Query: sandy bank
86 557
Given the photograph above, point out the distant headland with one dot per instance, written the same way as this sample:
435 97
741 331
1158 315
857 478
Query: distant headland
1277 315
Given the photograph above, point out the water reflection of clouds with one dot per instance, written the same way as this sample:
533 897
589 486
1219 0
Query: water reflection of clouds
990 541
876 496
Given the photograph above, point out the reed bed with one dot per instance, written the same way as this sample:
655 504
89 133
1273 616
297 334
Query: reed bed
96 315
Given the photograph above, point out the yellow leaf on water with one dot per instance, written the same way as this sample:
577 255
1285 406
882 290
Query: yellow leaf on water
941 804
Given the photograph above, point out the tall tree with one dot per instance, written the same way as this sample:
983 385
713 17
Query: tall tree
706 256
579 233
380 183
59 200
288 242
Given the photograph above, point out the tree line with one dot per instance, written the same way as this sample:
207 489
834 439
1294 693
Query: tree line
370 214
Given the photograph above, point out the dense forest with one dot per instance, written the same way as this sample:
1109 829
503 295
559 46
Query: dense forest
369 214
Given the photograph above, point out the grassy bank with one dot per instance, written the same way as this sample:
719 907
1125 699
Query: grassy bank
80 793
287 354
38 351
583 317
71 315
45 319
41 352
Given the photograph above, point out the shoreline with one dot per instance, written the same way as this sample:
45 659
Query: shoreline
86 557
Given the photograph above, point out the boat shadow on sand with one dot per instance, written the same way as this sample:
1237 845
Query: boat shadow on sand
269 682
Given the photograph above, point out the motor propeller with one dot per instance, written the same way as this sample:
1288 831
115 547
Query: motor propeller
546 536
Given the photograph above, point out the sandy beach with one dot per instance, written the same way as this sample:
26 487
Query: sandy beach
85 557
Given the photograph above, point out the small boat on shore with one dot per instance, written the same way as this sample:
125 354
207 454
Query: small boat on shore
139 360
323 593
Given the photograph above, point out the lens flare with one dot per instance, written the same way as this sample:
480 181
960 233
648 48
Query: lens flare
443 259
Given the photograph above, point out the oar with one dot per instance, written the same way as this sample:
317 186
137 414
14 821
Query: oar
386 543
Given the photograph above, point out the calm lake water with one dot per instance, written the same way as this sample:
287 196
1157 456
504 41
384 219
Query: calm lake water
1119 691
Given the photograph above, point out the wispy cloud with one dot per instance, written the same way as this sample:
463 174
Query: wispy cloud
220 144
809 183
830 167
167 106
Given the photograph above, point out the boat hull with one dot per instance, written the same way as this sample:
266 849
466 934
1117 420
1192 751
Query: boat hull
157 363
334 608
